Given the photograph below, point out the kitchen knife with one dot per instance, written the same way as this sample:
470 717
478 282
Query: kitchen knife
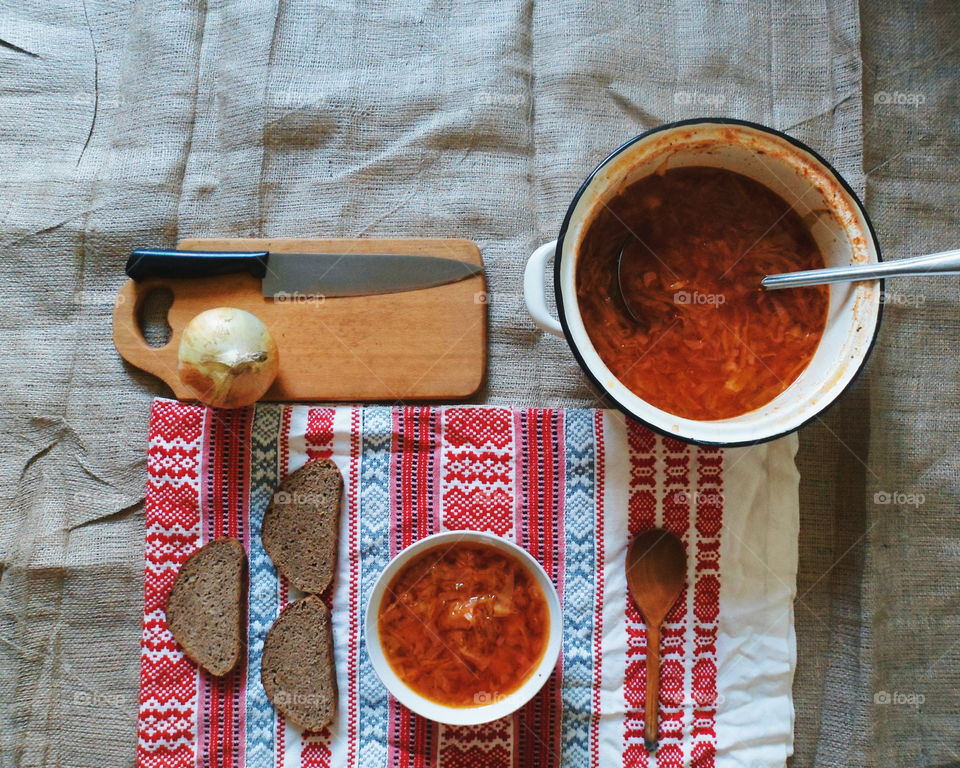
306 274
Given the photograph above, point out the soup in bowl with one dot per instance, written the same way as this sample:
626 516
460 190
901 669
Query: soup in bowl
677 330
463 627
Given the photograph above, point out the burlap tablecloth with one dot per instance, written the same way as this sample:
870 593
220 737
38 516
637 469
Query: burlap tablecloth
138 122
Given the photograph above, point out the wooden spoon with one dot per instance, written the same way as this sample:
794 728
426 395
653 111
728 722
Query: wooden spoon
656 569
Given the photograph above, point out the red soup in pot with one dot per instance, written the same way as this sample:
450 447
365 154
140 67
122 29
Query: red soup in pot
709 343
465 624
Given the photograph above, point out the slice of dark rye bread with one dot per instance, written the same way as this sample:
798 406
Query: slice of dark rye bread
205 606
302 524
297 665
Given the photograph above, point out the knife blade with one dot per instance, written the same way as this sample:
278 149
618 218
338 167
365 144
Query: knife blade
306 274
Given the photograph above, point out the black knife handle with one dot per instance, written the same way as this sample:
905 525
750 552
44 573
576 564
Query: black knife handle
151 262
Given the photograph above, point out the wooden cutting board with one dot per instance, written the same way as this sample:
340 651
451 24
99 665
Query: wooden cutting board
429 344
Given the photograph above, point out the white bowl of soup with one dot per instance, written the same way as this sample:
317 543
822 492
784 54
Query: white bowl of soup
703 210
464 627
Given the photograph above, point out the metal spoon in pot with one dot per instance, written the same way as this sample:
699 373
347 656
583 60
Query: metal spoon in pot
945 263
656 569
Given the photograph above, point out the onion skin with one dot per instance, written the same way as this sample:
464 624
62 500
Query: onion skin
228 357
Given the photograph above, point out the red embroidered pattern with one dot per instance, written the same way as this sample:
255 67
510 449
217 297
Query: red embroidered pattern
168 681
642 509
687 686
598 594
354 565
478 470
673 666
497 469
222 731
706 604
414 479
539 532
478 492
319 434
315 749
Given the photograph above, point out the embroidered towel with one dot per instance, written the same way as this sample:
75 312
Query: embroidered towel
572 487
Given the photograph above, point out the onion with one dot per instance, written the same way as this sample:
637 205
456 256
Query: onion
227 357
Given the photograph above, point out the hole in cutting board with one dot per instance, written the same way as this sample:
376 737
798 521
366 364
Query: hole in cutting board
153 317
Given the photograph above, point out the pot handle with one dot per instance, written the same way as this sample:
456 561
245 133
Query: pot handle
534 293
